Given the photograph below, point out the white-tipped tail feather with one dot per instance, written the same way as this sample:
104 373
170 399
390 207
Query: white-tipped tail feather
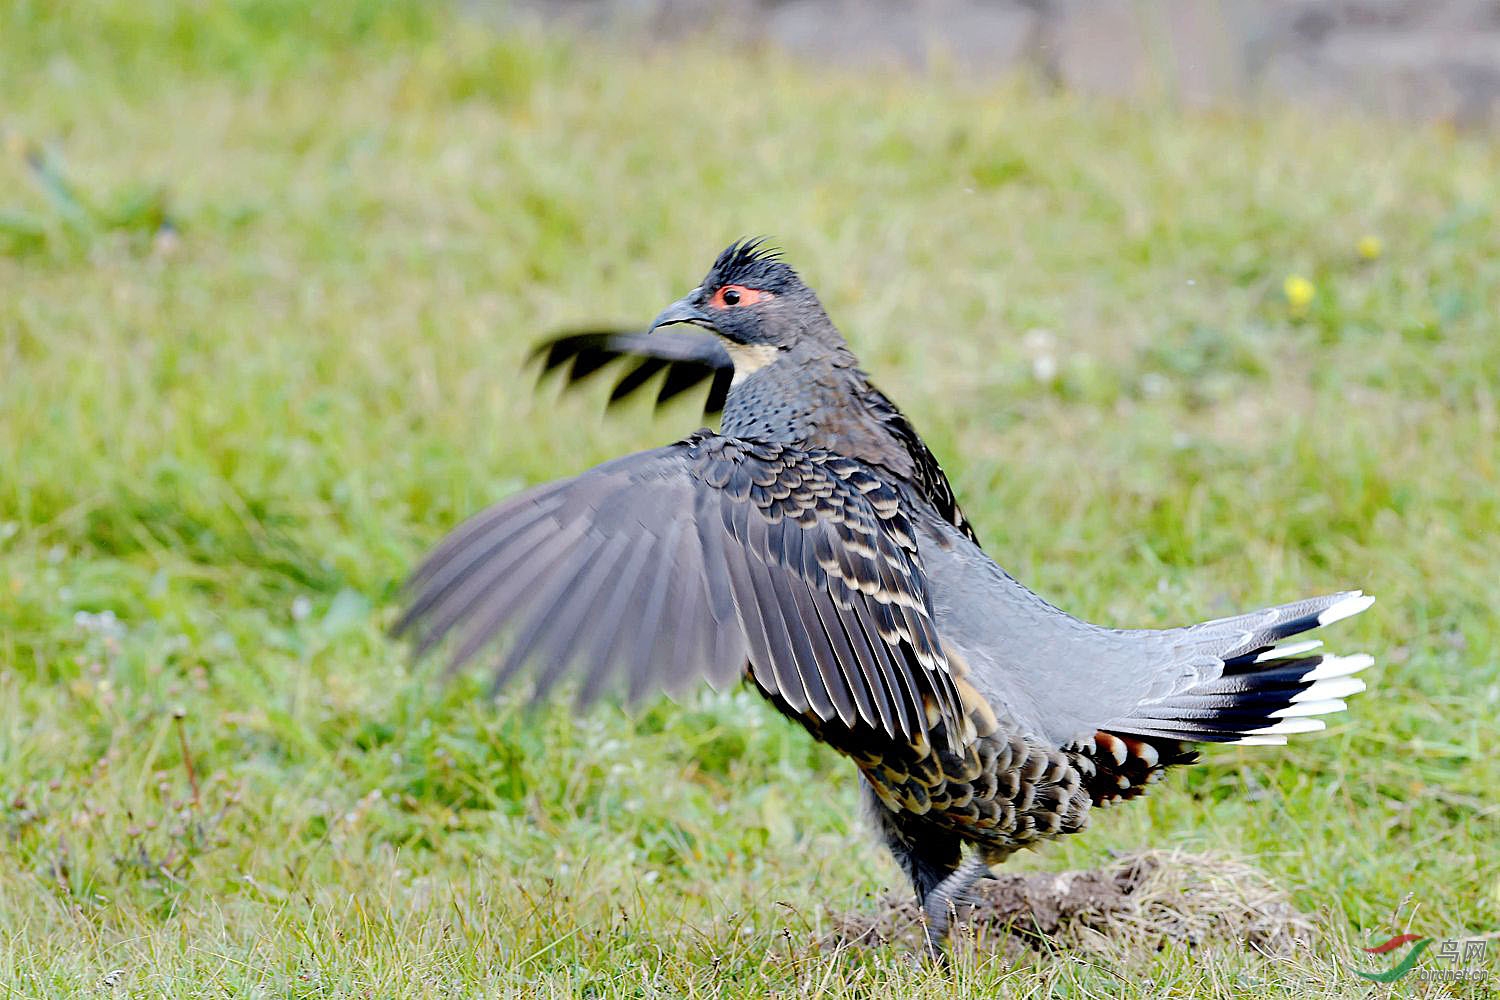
1292 649
1305 708
1290 726
1353 603
1264 692
1338 687
1340 666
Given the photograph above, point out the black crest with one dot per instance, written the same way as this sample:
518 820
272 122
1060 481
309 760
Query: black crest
754 264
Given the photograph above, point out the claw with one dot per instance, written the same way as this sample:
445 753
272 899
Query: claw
939 908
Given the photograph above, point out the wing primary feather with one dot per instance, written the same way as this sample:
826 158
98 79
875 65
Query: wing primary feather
508 595
728 650
737 563
644 667
458 603
608 619
877 669
544 603
575 610
718 390
680 378
448 565
502 514
634 379
721 600
690 358
585 363
805 664
686 648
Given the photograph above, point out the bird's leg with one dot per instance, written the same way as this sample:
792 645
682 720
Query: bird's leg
938 905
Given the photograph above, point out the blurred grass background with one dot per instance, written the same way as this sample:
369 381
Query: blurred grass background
268 274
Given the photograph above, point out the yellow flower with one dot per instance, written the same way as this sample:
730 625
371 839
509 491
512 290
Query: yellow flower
1369 246
1299 293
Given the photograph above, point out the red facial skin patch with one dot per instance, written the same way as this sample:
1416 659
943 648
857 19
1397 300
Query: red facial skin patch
748 297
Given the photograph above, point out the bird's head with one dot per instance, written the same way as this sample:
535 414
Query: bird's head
756 304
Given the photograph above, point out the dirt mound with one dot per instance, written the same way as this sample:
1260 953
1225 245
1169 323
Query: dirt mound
1140 902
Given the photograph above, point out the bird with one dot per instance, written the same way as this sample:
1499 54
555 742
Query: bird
813 548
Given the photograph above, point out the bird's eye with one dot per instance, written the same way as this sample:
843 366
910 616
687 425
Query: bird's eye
737 295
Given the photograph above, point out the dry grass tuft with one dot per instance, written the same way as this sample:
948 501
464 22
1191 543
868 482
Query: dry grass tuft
1131 908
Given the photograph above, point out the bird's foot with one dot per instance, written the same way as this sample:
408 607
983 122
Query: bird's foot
940 906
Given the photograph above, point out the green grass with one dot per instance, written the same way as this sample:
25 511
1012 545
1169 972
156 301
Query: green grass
222 444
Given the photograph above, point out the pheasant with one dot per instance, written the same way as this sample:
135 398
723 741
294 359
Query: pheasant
814 548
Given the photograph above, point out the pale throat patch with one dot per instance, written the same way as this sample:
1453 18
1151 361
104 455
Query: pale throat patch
748 358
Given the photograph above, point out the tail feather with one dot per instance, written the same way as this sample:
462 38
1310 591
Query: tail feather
1265 692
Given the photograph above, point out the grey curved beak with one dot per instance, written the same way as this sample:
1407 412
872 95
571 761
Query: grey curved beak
682 311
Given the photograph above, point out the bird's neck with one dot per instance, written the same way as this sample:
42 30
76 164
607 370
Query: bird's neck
811 401
824 401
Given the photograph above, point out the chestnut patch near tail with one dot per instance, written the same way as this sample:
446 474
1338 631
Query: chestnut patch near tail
1125 765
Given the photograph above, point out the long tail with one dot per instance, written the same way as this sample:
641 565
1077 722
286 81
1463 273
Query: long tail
1265 693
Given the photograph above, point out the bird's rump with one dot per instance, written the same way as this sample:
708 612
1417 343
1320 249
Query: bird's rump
688 562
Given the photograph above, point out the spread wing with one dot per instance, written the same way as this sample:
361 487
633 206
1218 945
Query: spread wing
684 563
689 360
